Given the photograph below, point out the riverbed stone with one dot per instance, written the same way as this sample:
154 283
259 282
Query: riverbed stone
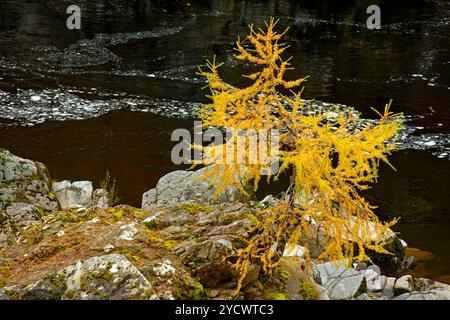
72 194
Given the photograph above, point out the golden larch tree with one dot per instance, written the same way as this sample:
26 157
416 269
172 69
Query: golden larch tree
329 156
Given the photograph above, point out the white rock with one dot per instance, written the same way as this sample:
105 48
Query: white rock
403 284
332 114
325 271
73 194
347 287
108 248
128 233
181 186
404 244
373 282
340 282
94 220
164 268
388 286
294 251
375 268
60 234
150 219
226 243
100 199
269 201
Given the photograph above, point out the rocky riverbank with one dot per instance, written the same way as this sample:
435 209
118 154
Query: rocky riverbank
63 240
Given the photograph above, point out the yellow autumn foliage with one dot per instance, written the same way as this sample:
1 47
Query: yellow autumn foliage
331 158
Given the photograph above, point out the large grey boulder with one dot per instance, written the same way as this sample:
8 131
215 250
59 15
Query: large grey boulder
72 194
110 277
340 281
23 180
25 193
181 186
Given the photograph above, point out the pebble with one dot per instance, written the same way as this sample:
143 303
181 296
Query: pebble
108 248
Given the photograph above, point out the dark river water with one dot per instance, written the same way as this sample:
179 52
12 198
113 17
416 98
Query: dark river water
108 96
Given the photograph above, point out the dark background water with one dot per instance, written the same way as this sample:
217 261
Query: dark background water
407 60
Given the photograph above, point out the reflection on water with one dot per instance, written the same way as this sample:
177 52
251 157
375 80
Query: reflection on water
418 193
128 78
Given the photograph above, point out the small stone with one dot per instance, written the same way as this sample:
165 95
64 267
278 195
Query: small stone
164 268
403 284
226 243
404 244
60 234
100 199
108 248
94 220
429 143
213 293
363 296
269 201
360 266
410 263
375 268
372 280
331 114
294 251
128 232
388 286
